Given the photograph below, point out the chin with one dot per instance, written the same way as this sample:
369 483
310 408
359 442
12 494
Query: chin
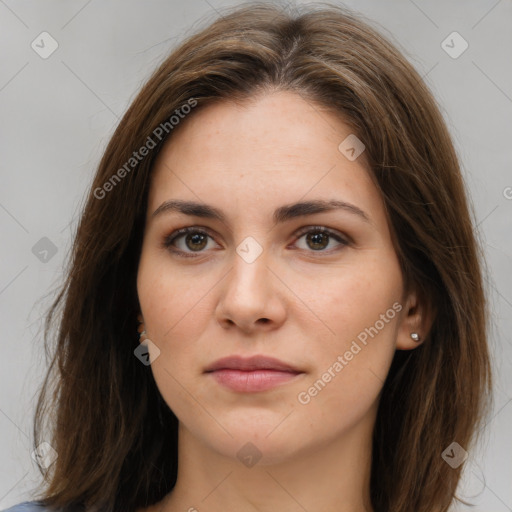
264 437
251 448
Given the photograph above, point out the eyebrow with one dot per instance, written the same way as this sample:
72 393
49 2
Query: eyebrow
281 214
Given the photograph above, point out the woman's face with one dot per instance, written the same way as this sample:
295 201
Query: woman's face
260 279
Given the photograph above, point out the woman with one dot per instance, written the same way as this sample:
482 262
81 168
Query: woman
275 298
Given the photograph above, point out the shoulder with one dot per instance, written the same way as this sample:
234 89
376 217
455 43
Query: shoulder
26 506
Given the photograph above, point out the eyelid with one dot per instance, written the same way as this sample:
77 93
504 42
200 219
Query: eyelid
169 239
343 239
324 229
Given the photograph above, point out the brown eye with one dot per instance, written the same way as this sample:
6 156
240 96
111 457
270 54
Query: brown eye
318 238
186 241
196 241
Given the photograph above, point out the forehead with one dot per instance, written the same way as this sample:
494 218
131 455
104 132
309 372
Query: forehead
274 145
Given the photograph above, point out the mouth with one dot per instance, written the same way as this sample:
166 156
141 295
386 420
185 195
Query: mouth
254 374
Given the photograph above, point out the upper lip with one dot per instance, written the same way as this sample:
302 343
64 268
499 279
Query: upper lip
258 362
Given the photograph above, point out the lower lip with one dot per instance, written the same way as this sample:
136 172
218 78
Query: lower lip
252 381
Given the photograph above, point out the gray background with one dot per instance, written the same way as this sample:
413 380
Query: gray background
57 115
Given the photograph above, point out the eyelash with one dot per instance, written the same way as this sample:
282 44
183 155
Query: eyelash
170 239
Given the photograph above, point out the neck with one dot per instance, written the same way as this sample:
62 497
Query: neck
328 476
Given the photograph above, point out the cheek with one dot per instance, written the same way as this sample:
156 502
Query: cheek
353 297
351 368
361 306
171 306
176 308
169 298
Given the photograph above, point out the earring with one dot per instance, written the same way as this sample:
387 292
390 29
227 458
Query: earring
415 336
140 328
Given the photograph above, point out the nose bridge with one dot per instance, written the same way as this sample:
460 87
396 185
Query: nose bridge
250 271
248 295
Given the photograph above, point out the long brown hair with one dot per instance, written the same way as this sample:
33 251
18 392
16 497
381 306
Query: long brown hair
115 437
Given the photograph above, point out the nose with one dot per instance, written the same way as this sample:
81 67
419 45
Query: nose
251 297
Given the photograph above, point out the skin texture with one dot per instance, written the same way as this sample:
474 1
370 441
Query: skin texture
247 161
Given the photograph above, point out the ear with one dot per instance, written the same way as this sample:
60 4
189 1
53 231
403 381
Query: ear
417 317
141 329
